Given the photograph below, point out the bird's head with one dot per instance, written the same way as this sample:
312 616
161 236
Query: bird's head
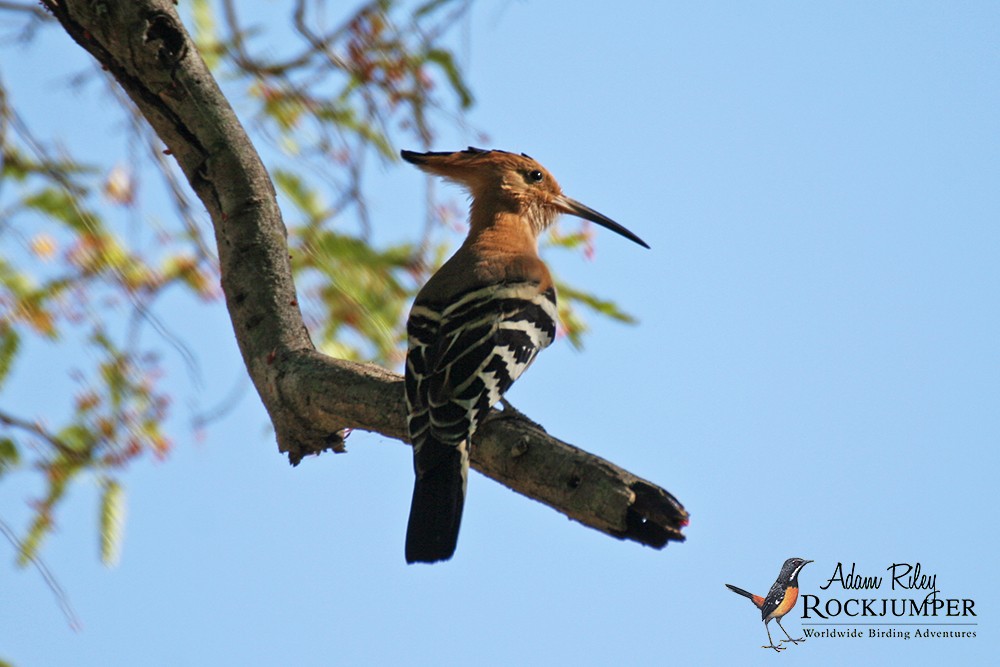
790 570
511 183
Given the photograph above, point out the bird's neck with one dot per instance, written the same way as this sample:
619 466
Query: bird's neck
500 248
497 227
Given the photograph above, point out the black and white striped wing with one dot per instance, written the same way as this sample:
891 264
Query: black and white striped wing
462 357
465 356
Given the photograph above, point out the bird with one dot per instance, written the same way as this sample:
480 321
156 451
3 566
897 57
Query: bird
476 326
780 599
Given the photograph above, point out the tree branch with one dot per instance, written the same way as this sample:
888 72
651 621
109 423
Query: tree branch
25 7
313 401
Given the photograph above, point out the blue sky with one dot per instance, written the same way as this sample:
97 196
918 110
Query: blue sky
815 373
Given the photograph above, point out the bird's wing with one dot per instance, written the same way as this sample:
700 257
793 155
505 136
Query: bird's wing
464 356
773 599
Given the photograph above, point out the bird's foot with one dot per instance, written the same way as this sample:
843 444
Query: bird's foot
794 641
777 649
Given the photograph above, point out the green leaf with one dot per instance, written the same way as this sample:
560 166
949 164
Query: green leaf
205 34
14 165
429 7
40 527
346 118
9 344
285 109
113 512
59 473
77 437
598 305
9 456
18 166
445 60
302 196
571 241
62 206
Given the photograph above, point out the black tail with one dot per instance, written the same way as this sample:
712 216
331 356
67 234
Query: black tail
739 591
436 509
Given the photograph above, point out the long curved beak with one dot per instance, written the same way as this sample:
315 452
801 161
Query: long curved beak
573 207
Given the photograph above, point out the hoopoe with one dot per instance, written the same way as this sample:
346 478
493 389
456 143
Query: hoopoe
476 326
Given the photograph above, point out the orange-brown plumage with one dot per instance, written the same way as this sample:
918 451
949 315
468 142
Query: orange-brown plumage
477 325
787 602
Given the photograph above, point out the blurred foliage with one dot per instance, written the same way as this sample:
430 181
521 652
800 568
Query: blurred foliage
83 261
112 521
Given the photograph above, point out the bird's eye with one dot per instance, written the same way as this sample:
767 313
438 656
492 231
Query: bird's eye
535 175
